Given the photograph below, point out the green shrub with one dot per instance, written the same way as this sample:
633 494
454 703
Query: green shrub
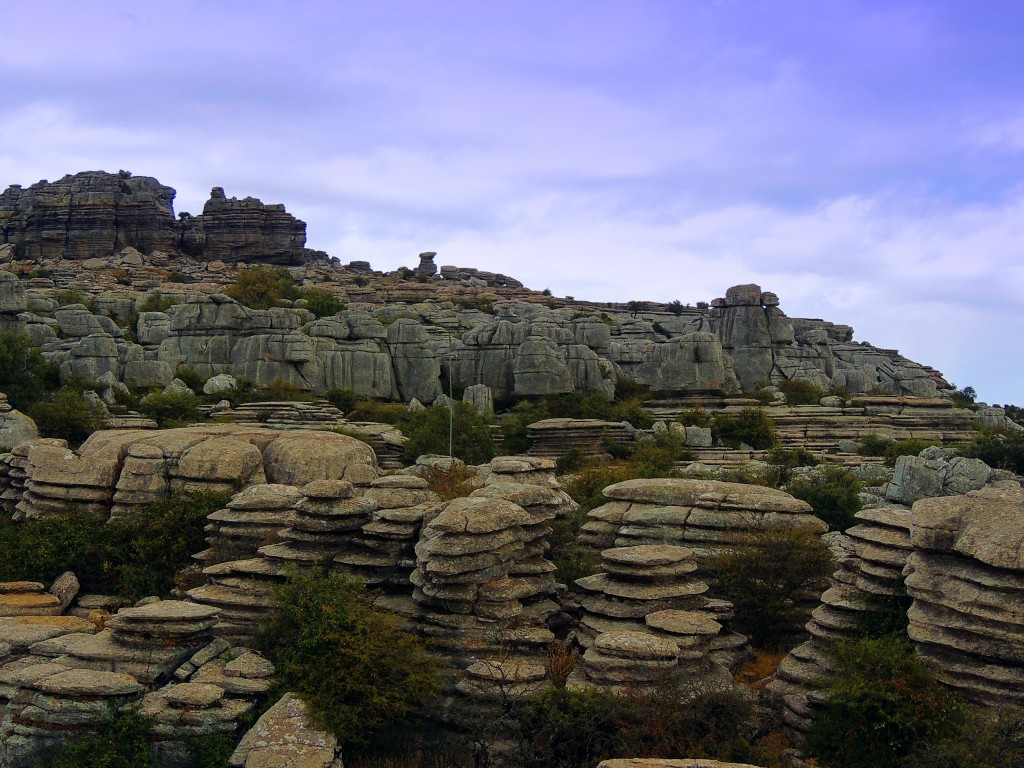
964 398
246 391
118 741
171 409
356 672
751 426
1000 449
629 389
132 557
570 461
263 287
877 445
694 417
987 739
428 432
834 495
25 375
782 462
884 702
155 301
762 575
801 392
73 296
322 303
66 415
383 413
342 399
191 378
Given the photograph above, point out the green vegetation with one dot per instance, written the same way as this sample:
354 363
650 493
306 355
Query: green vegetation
73 296
886 702
65 415
25 375
263 287
171 409
782 462
322 303
999 448
833 493
342 399
763 574
132 557
155 301
357 673
247 391
428 432
964 398
878 445
801 392
752 426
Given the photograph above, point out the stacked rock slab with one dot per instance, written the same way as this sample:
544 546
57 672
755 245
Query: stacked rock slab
242 591
966 578
462 582
706 515
382 552
552 438
528 470
867 584
253 518
283 737
622 661
326 520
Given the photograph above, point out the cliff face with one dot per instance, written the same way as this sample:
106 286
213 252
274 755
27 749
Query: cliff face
89 214
233 230
96 214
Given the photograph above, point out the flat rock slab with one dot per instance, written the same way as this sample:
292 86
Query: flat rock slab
20 632
29 604
16 587
478 515
283 737
709 494
683 622
88 682
636 645
167 610
648 555
193 694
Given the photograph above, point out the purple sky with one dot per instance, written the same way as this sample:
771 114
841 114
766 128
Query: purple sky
862 159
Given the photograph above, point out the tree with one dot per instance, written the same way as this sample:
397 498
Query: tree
25 375
352 667
471 435
263 287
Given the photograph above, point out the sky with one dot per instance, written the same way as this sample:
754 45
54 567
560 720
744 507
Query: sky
862 159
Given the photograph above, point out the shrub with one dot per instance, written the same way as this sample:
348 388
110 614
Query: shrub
883 700
322 303
73 296
751 426
384 413
763 574
783 461
428 432
834 496
1000 449
155 301
342 399
570 461
25 375
132 557
66 415
964 398
675 307
118 741
451 482
876 445
246 391
263 287
801 392
193 380
171 409
694 417
356 672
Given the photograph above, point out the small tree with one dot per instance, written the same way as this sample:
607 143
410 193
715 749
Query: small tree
263 287
322 303
762 576
25 375
751 426
471 435
834 495
354 669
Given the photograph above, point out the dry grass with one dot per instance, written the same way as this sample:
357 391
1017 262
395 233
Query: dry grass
755 672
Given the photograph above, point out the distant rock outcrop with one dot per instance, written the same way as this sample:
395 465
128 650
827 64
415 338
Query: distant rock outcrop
95 214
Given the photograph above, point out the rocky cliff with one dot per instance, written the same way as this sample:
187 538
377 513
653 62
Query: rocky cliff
96 214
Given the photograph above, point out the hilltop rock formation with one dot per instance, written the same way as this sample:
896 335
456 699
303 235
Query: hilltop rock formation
95 214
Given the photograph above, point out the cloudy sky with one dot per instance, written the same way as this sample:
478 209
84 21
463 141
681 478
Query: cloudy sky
863 159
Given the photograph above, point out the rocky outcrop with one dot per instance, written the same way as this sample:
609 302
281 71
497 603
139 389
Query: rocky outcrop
707 516
283 736
15 427
88 215
966 578
232 230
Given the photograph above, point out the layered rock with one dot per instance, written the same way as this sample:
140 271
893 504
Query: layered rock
706 515
232 230
88 215
283 736
552 438
15 427
253 518
966 578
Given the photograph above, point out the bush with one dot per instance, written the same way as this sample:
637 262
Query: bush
155 301
355 671
876 445
118 741
428 432
383 413
1000 449
884 701
133 557
246 391
171 409
322 303
751 426
763 574
783 461
73 296
25 375
449 483
834 496
66 415
191 378
801 392
263 287
342 399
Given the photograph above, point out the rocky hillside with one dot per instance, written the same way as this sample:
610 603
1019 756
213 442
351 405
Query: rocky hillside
79 257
